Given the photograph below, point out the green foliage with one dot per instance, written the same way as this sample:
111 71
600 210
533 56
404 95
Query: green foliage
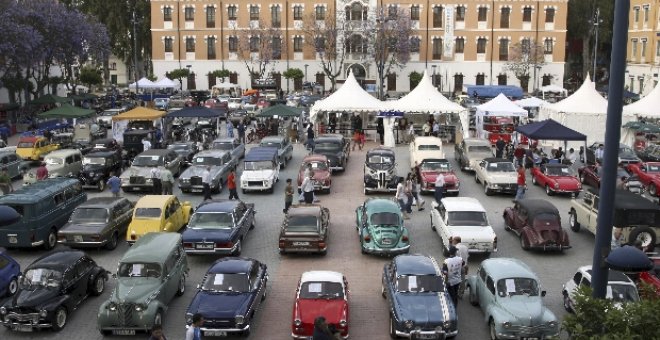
152 77
90 76
415 78
219 73
178 74
293 73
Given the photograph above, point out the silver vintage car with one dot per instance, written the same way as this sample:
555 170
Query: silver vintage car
220 163
284 148
138 176
233 145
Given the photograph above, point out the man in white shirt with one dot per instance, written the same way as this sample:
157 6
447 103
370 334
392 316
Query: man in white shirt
146 144
452 268
462 252
156 180
572 156
599 152
307 187
206 181
439 187
402 198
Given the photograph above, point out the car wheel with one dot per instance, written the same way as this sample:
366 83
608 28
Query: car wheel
645 235
99 285
60 319
493 331
548 191
476 178
573 222
158 319
51 240
12 287
472 297
653 190
523 243
567 303
244 191
239 247
382 291
506 225
433 225
101 185
182 286
112 243
534 182
487 191
392 328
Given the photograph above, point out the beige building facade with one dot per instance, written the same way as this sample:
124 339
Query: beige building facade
643 58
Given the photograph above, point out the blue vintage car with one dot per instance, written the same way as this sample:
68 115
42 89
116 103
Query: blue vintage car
218 227
9 272
510 296
380 227
420 306
228 296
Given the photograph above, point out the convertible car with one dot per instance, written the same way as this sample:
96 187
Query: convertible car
537 223
648 173
380 227
318 291
556 179
590 175
431 168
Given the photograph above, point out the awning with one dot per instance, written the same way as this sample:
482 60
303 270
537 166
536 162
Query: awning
549 130
67 111
281 111
139 113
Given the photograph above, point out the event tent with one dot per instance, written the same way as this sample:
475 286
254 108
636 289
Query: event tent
280 110
143 83
424 98
531 102
67 111
499 106
350 97
139 113
648 107
550 130
166 83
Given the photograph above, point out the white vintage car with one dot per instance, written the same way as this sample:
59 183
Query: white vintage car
261 170
422 148
620 288
496 175
467 218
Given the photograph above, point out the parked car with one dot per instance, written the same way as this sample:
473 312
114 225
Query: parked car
105 118
261 170
107 144
467 218
497 175
231 145
138 176
510 296
423 147
590 174
651 153
59 163
219 227
14 164
556 179
98 167
322 173
379 223
34 148
237 284
620 288
157 264
431 168
471 151
380 174
419 304
158 213
325 291
648 173
220 164
626 154
305 230
538 224
186 150
133 140
53 286
335 147
284 148
10 271
161 103
652 277
234 104
238 115
97 223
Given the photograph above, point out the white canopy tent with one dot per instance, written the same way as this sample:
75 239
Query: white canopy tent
424 98
531 102
647 107
499 106
143 83
554 89
166 83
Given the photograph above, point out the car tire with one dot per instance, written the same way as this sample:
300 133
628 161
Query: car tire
523 243
98 285
244 191
476 178
181 289
487 191
60 320
433 227
239 247
653 189
392 328
567 302
573 222
51 240
492 331
471 296
644 234
506 225
101 185
112 243
12 287
382 291
548 191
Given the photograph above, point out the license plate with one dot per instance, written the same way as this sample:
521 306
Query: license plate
389 242
137 188
77 238
530 338
427 336
300 243
205 246
23 328
195 190
13 239
215 333
123 332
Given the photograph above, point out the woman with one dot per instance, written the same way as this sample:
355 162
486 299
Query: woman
416 189
409 189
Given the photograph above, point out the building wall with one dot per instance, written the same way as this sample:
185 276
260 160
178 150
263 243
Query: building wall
643 56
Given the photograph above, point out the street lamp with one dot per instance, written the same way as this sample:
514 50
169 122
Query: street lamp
135 51
433 80
306 65
596 22
188 78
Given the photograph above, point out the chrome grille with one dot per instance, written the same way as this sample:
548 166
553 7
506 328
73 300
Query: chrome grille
255 183
137 180
125 313
195 180
29 317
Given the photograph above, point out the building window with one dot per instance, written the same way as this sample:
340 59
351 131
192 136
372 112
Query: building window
210 47
190 44
636 14
437 48
460 13
415 43
210 17
548 46
460 45
549 15
501 79
546 80
643 48
320 12
392 11
319 44
276 16
254 44
232 12
437 16
633 49
189 13
525 45
297 44
458 82
414 12
481 45
276 45
646 13
641 83
233 44
391 82
504 49
113 66
527 14
167 13
356 12
297 12
480 79
356 44
505 17
168 44
632 84
483 14
254 12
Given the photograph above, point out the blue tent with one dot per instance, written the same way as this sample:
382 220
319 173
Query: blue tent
491 91
550 130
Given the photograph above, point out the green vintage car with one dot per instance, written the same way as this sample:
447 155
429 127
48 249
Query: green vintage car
380 227
149 275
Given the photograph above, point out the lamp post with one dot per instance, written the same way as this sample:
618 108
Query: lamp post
135 51
306 65
596 22
433 80
188 78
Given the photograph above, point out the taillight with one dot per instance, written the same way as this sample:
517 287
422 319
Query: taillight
282 244
224 245
133 237
404 238
367 238
187 245
321 245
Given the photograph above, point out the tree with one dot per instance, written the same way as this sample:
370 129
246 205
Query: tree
178 74
293 73
223 73
90 76
259 45
415 78
525 56
326 38
581 29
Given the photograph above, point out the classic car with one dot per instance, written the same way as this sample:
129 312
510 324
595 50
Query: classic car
219 227
133 141
334 146
620 288
379 224
63 139
471 151
320 291
496 175
59 163
639 217
556 179
232 145
149 275
420 306
305 230
590 174
234 104
53 286
237 284
538 224
239 115
105 118
652 277
422 148
14 164
186 150
284 148
648 173
380 173
499 124
98 167
138 176
510 296
261 170
651 153
161 103
84 135
158 213
97 223
220 164
626 154
34 148
107 144
10 271
467 218
322 173
431 168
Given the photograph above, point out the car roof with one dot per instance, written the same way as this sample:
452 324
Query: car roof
155 152
211 153
381 150
496 160
502 268
224 140
58 259
100 153
626 200
62 152
416 264
183 143
322 276
153 201
535 206
462 204
261 153
231 265
217 205
375 205
101 202
150 246
304 210
3 153
38 190
315 158
427 140
612 275
272 139
476 141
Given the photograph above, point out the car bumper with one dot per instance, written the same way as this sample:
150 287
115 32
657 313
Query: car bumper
506 188
308 337
568 192
191 187
386 251
303 250
25 322
549 246
482 250
525 335
137 187
83 244
222 251
257 188
418 334
223 330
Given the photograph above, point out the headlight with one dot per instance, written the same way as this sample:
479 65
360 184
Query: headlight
3 310
506 324
408 324
140 307
43 313
189 319
149 180
297 322
552 324
446 324
342 323
239 319
244 184
112 306
184 180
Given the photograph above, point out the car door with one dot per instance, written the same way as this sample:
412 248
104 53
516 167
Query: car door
239 221
519 218
171 274
176 214
442 228
257 279
487 295
480 171
593 215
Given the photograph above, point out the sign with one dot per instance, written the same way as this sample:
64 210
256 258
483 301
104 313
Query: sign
448 41
390 114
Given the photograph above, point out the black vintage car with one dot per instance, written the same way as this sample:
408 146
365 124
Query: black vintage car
133 141
52 287
98 166
334 146
380 171
650 153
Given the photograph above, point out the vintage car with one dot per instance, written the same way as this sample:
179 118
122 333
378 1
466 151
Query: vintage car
59 163
620 288
639 217
232 145
107 144
238 115
161 103
496 175
237 284
431 168
158 213
10 271
334 146
422 148
234 104
648 173
138 176
318 291
510 296
305 230
651 153
186 150
98 167
419 304
85 134
53 286
104 119
220 163
626 154
133 140
63 139
380 173
556 179
379 224
471 151
97 223
261 170
590 174
467 218
284 148
14 164
322 173
149 275
219 227
34 148
651 277
538 224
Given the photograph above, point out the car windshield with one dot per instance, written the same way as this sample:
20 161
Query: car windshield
380 159
109 113
435 166
517 286
480 149
223 145
501 167
302 223
147 161
626 151
327 146
261 165
420 283
622 293
54 161
209 220
321 290
89 215
428 147
385 219
317 165
467 218
558 171
43 277
271 144
25 145
207 161
226 283
147 212
178 147
93 161
139 270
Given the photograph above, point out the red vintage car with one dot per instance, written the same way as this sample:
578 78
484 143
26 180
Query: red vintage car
499 124
590 175
494 136
537 223
648 173
320 293
429 170
216 104
652 277
556 179
321 167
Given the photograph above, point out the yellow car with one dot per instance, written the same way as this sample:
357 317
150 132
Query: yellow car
34 148
154 213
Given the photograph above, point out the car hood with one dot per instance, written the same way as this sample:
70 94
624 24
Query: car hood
525 310
426 310
196 171
135 289
220 305
430 176
501 177
203 235
137 171
320 175
329 153
566 181
380 166
257 174
331 309
470 234
34 298
77 228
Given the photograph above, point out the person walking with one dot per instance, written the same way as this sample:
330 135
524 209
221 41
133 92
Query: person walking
114 183
231 184
154 173
499 147
5 182
416 189
230 129
167 181
401 198
522 184
462 252
157 333
452 268
410 188
310 137
436 129
439 187
146 144
42 172
194 332
206 183
241 131
288 195
307 188
411 133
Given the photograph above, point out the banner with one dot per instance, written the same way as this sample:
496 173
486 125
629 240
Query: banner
448 41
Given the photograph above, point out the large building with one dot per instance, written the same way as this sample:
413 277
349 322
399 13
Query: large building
643 56
466 42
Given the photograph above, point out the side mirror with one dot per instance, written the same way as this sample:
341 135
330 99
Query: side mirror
543 292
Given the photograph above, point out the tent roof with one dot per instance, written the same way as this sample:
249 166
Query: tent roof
50 99
67 111
144 83
349 97
553 88
531 102
424 98
549 130
501 106
166 83
649 106
280 110
585 100
195 111
139 113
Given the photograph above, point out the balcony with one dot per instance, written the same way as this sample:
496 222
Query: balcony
482 25
254 24
547 58
190 55
169 56
460 25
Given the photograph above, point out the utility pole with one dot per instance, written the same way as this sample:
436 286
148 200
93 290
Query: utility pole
596 23
135 52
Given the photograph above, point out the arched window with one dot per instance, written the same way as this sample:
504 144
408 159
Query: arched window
355 44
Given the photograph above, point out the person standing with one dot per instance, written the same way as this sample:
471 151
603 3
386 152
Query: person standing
310 137
519 154
288 195
452 268
231 184
426 128
522 184
617 238
5 182
462 252
439 187
411 133
499 147
146 144
230 129
380 130
157 333
322 330
401 198
416 189
241 131
156 180
307 188
194 332
599 152
410 188
167 181
115 184
42 172
206 183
